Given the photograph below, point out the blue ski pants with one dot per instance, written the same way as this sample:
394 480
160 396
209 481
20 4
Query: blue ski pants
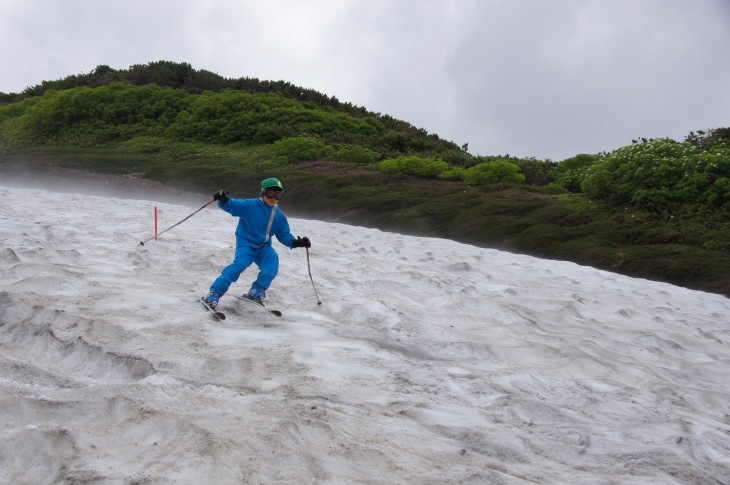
265 258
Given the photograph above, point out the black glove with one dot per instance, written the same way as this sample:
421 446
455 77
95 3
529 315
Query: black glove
221 196
301 242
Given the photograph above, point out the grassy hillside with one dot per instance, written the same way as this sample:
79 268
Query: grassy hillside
657 209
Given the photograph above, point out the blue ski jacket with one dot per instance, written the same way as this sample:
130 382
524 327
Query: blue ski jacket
254 216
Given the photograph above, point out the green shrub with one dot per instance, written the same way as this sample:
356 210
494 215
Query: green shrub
570 172
88 116
261 118
716 245
355 154
660 174
498 171
300 148
707 140
536 172
412 165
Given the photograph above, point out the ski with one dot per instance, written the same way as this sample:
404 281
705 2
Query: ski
258 303
218 315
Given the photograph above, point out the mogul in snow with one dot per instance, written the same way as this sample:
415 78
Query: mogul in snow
259 219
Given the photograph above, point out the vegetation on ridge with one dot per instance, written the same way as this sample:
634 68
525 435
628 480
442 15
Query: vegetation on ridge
655 208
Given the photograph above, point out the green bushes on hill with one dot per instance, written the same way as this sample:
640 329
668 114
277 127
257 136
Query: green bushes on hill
259 119
88 116
498 171
570 172
300 148
286 110
413 165
494 172
660 174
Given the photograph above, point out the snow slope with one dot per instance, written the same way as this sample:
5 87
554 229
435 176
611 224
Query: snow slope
428 361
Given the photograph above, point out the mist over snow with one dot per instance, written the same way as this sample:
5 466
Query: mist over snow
428 361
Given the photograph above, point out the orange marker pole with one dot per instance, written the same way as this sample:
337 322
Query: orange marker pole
155 223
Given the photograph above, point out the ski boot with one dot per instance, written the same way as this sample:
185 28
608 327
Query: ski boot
256 294
212 299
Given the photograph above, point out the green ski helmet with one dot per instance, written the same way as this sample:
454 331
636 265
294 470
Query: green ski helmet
271 183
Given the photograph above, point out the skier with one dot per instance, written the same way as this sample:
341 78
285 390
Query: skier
259 218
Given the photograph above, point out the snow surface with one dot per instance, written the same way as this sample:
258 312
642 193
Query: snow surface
428 361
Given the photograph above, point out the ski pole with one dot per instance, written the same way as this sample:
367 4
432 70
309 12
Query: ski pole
309 267
188 217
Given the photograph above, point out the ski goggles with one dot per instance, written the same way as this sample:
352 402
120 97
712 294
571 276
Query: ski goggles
273 194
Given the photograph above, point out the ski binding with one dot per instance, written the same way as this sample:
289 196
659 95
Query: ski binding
218 314
258 303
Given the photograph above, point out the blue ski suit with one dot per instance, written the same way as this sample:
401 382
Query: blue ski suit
257 223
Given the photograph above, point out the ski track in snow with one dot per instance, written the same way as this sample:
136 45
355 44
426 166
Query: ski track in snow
429 361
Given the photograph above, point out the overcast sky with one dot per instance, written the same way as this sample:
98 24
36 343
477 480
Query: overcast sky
542 78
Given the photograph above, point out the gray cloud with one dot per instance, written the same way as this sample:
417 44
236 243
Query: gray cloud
524 77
